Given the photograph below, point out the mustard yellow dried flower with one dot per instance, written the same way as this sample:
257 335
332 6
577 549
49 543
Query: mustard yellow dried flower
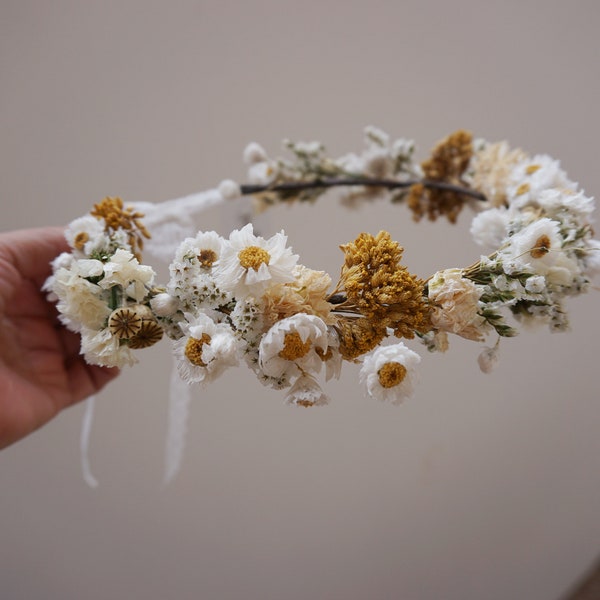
358 335
376 286
116 216
447 164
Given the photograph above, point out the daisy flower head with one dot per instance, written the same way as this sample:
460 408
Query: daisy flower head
193 272
388 373
200 252
306 392
293 346
206 349
86 235
250 264
537 248
532 176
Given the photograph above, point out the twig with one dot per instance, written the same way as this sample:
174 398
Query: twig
298 186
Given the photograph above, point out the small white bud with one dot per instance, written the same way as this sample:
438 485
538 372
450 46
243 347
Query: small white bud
229 189
164 305
488 359
254 153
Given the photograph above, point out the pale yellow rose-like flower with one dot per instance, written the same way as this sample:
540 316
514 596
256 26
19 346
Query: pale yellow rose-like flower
455 302
306 294
491 167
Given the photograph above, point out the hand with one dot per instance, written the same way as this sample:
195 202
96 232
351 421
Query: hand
41 371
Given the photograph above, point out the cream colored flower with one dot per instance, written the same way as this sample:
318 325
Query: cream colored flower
125 270
104 349
250 264
206 349
388 373
491 167
306 294
455 304
81 304
292 346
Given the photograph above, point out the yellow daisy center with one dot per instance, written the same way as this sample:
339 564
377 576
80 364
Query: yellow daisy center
294 347
253 256
305 403
391 374
523 189
80 239
207 257
542 247
531 169
193 349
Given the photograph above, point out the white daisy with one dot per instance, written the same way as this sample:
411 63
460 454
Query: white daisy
294 345
250 264
537 248
202 251
532 176
206 349
193 272
86 234
306 392
389 373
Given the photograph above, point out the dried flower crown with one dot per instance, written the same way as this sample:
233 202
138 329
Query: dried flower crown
246 298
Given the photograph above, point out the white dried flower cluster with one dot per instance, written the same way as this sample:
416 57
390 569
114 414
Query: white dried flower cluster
246 298
382 159
541 244
99 281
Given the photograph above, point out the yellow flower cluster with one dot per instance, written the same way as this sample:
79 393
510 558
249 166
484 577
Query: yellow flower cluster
116 216
448 161
377 287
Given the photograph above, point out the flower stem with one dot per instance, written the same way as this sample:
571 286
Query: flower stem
290 186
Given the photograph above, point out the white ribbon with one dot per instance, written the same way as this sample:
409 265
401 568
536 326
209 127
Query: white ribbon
179 408
84 442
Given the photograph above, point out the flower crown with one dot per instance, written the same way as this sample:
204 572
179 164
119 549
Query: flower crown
247 298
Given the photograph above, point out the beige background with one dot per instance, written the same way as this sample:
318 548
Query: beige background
481 486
